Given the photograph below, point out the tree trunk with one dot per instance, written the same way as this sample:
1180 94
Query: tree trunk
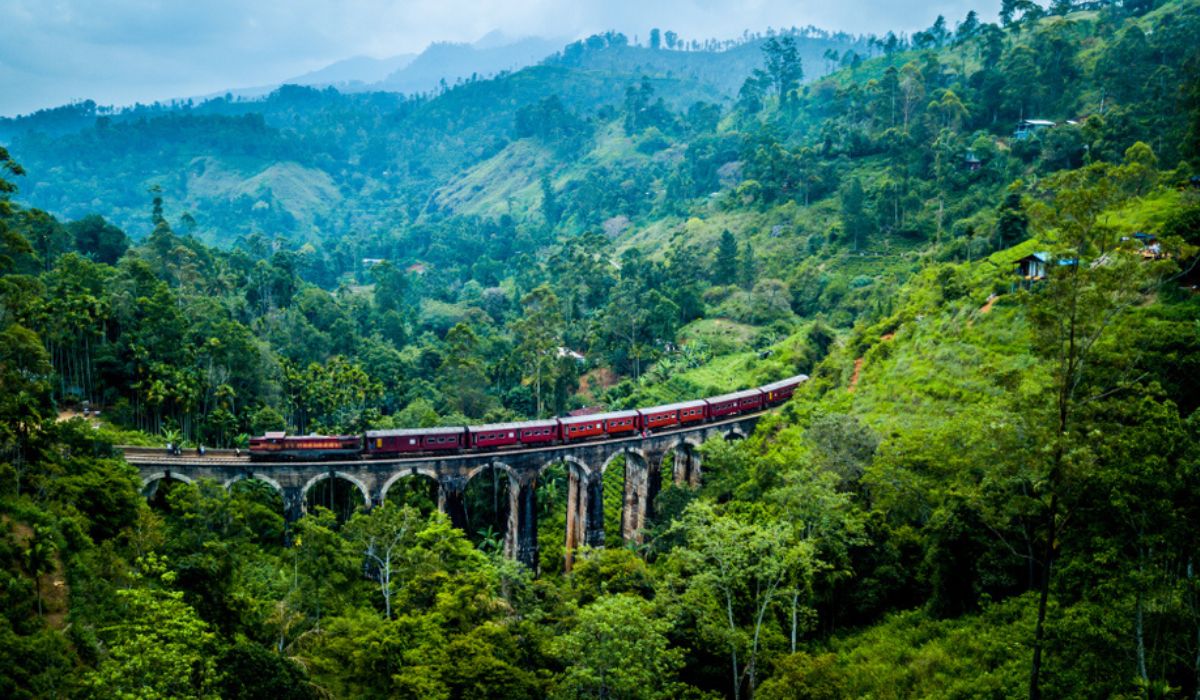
795 602
1035 692
737 679
1140 624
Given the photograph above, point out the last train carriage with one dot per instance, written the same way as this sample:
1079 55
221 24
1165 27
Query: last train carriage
378 444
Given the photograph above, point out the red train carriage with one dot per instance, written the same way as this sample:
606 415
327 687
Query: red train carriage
390 442
782 390
281 446
581 427
735 403
662 417
494 435
620 422
659 417
693 411
538 432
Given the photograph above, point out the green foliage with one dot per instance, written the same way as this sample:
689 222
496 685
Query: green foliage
617 649
1013 470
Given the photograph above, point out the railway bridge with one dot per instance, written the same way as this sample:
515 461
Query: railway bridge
585 462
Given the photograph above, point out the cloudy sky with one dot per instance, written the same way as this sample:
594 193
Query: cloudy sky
122 51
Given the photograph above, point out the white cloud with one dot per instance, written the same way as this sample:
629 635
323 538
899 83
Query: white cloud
120 51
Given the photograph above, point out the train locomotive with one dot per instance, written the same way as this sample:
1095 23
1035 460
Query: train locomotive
377 444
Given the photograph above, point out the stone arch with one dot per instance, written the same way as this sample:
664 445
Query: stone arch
251 475
362 488
734 432
497 464
573 464
166 474
625 452
685 460
692 439
410 472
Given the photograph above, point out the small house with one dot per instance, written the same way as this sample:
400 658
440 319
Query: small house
972 162
567 352
1028 127
1149 245
1032 267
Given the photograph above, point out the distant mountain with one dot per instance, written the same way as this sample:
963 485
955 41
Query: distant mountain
450 62
317 164
351 71
723 67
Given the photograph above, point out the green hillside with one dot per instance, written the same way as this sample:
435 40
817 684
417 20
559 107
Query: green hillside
988 488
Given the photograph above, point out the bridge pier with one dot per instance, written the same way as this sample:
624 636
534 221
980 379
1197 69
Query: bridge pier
520 537
685 467
451 502
637 491
293 503
585 512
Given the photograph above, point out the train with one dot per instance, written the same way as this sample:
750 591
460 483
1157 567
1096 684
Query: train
412 442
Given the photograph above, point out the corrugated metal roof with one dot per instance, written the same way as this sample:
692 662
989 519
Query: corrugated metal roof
799 378
673 406
412 432
735 395
592 418
512 426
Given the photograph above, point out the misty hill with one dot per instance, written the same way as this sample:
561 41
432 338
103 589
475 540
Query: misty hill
359 70
722 65
988 482
451 62
221 159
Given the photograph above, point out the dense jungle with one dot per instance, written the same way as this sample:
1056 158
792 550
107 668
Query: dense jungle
988 488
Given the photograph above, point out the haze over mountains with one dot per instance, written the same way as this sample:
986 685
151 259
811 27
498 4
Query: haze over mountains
308 165
441 62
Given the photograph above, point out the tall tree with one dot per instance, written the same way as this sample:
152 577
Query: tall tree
540 331
725 267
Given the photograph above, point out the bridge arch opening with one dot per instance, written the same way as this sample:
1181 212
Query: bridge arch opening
411 488
157 488
340 492
552 484
487 501
613 480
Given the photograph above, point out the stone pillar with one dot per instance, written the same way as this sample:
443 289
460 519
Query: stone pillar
520 538
573 516
633 512
450 500
293 503
653 486
594 532
686 468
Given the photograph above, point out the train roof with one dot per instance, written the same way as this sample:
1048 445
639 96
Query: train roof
673 406
798 379
413 432
281 435
745 394
522 425
574 420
